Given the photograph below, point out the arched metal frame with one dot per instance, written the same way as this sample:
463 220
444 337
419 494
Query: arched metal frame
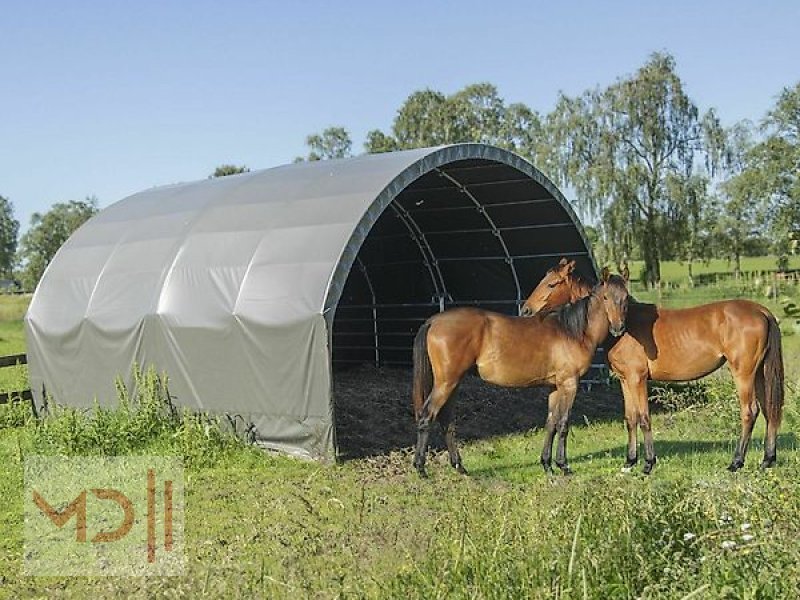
493 228
431 162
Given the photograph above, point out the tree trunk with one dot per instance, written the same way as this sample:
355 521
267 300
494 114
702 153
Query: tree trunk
652 266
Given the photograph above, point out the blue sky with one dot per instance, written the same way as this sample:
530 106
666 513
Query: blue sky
109 98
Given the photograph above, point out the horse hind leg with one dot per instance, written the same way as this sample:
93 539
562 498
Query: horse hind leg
748 409
430 409
445 419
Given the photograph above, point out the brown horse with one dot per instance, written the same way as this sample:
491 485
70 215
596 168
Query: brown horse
683 345
555 349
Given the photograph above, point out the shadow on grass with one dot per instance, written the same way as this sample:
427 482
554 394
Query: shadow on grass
374 416
664 448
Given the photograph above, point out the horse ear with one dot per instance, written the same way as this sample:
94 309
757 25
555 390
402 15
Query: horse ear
626 274
570 267
563 262
604 274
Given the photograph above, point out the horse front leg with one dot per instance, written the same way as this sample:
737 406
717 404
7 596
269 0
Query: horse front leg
550 430
568 391
632 424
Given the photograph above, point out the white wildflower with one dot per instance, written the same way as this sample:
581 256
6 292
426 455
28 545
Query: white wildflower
745 526
688 536
728 544
747 537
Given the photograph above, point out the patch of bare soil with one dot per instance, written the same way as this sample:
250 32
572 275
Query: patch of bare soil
374 416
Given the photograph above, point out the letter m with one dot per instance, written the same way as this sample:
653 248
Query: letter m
77 507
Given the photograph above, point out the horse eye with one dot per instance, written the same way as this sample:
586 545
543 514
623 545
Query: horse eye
552 285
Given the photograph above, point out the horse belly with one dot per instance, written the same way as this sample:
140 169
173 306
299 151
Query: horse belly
510 372
685 366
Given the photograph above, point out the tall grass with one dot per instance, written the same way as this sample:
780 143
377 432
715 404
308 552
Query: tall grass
144 420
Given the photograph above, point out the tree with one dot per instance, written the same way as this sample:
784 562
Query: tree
378 142
693 224
739 206
475 113
773 168
47 234
333 142
619 147
423 120
9 229
225 170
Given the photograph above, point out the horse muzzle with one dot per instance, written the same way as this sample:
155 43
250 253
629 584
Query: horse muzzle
526 312
617 331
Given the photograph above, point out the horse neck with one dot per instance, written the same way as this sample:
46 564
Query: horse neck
597 323
578 289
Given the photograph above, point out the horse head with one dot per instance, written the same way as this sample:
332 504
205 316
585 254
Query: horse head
554 290
614 293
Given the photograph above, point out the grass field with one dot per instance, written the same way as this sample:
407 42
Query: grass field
260 525
674 272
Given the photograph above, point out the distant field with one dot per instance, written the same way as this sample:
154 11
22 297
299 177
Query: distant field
675 272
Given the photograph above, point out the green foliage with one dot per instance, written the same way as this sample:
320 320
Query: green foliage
9 230
225 170
475 113
771 170
47 234
630 151
145 419
15 414
333 142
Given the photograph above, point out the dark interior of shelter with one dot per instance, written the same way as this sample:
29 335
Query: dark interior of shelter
471 233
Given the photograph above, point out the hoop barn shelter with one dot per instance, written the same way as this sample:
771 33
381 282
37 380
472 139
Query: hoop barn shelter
248 290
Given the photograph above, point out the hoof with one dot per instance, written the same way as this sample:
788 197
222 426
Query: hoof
735 466
548 469
460 469
629 464
648 466
565 470
767 463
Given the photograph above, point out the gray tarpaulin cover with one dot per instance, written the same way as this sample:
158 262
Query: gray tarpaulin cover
228 285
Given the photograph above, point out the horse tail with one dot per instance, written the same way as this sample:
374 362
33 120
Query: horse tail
423 371
773 374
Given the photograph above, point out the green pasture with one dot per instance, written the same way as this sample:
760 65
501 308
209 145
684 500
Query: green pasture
268 526
674 272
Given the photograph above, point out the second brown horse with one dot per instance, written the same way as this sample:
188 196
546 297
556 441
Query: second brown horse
554 350
682 345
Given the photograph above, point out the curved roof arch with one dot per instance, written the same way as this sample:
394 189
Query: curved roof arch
232 285
428 160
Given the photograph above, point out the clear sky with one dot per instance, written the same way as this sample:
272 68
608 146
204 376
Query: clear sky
107 98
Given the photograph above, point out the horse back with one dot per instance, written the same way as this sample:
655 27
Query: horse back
679 344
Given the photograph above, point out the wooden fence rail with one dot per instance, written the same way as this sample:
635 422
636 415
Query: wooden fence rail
15 396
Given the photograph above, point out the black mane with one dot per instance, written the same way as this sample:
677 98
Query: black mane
574 318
